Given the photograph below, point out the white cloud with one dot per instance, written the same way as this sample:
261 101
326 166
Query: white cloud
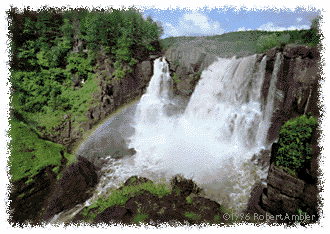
170 30
194 23
299 19
243 29
271 27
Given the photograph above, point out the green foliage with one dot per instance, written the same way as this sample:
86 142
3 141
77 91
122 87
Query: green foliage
294 148
184 186
267 42
175 78
192 215
249 41
79 65
42 69
29 153
120 197
188 200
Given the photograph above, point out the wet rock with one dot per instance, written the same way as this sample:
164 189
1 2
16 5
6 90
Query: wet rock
114 214
134 181
73 187
181 206
29 199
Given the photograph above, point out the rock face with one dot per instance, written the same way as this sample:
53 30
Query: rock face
28 199
297 84
286 193
109 97
187 64
182 205
74 187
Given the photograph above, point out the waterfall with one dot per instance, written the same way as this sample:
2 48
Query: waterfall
211 137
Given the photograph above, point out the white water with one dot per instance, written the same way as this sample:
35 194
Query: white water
211 140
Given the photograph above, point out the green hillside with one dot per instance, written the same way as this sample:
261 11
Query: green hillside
247 41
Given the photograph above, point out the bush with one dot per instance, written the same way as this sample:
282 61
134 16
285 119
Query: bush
265 43
184 187
294 139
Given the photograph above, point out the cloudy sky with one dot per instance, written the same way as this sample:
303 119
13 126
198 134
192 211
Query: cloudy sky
208 17
215 21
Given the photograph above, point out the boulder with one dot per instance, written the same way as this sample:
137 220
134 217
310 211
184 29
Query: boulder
29 199
74 186
182 205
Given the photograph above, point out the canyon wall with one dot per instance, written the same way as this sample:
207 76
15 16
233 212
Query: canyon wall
297 91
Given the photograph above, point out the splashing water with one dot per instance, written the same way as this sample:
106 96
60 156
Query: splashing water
211 139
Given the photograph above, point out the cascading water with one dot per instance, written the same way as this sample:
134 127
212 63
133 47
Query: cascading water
212 139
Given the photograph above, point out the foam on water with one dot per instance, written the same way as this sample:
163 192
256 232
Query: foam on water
211 140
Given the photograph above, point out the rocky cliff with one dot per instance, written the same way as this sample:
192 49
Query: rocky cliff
297 86
296 93
110 96
46 196
298 73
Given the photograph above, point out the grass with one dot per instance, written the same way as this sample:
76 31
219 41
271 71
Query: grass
118 197
29 153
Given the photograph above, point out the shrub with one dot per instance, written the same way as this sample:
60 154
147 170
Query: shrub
184 187
176 78
294 141
265 43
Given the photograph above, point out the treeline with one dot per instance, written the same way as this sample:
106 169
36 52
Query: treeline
49 48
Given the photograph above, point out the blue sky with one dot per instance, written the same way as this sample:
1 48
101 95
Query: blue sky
215 21
208 17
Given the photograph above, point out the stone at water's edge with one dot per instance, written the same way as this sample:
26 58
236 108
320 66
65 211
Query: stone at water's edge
74 187
28 200
170 208
285 194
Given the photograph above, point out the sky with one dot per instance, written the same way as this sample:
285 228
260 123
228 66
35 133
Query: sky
210 18
189 17
216 21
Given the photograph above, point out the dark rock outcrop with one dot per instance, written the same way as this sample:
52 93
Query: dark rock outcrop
285 194
28 200
74 187
187 63
297 85
184 205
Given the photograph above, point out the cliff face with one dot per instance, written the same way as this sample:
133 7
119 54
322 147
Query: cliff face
109 97
46 195
296 93
187 64
296 87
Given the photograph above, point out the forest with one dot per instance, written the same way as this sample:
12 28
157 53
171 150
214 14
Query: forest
50 49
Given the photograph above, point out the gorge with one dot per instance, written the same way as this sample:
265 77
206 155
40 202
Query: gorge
221 135
215 124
